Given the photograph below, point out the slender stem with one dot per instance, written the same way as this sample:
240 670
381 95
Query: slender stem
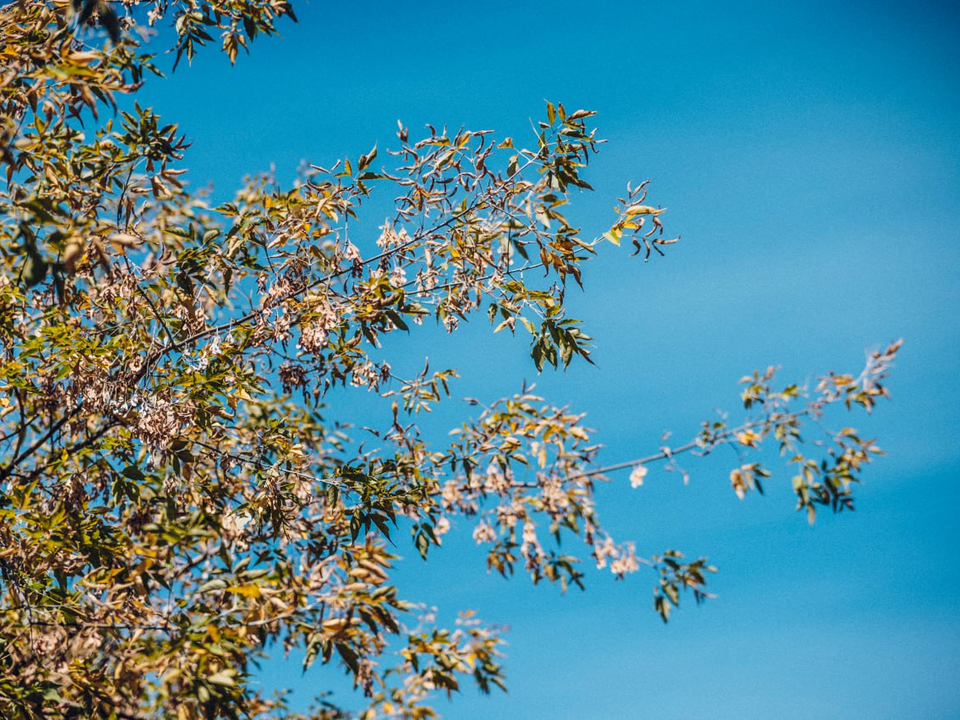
667 453
5 473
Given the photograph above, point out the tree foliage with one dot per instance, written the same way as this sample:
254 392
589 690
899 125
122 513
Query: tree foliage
176 499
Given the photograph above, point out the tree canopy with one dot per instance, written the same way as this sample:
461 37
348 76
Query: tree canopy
177 499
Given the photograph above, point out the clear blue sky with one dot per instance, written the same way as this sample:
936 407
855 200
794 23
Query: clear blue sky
809 153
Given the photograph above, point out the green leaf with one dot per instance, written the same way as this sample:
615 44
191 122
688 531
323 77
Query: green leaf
422 543
133 472
531 328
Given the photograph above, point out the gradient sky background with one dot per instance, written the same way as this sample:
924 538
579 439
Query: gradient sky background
809 154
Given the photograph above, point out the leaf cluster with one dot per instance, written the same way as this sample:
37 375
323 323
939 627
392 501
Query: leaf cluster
179 492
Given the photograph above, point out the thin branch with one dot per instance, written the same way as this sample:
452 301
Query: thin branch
5 472
667 453
266 466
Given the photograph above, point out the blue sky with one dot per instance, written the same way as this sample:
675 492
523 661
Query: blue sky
809 155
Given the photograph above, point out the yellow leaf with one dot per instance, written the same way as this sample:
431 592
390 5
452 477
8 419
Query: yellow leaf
613 235
224 677
748 438
249 591
643 210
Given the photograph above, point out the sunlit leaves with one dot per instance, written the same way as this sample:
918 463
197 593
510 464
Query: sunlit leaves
633 216
180 493
676 577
